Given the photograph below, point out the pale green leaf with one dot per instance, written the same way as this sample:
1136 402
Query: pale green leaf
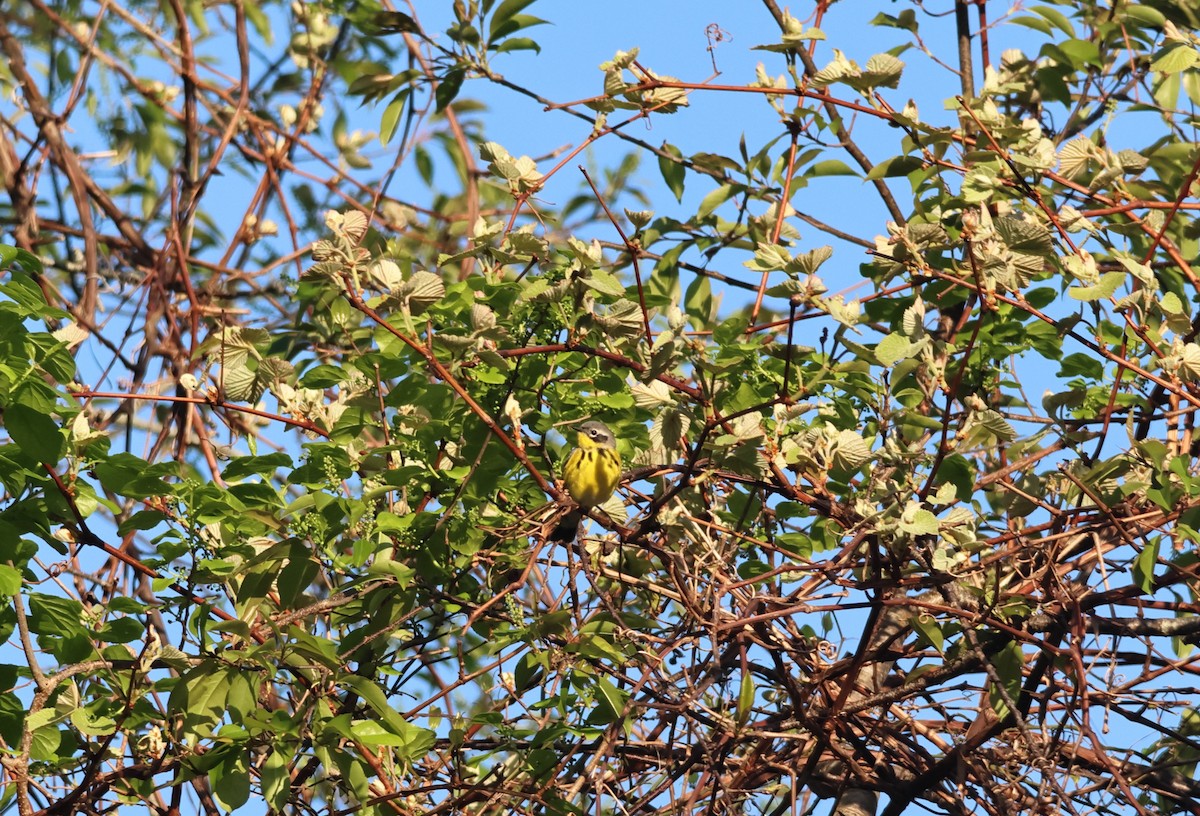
893 348
1108 284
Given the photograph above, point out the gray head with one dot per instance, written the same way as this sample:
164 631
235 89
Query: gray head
596 433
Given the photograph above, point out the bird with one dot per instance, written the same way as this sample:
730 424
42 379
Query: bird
594 467
591 474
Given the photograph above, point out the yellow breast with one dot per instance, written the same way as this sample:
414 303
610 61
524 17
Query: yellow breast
592 473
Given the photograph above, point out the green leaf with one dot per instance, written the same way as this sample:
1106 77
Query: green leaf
1175 58
1036 23
1026 236
1143 566
996 424
199 696
91 724
265 465
415 741
47 744
29 263
391 116
1143 14
231 779
698 300
907 20
673 172
1080 364
605 283
41 718
448 88
51 615
831 167
928 628
518 44
917 521
12 716
122 630
1008 663
715 163
372 732
610 701
10 580
275 778
881 71
297 576
1108 284
1081 53
22 289
1166 91
514 24
731 330
502 22
714 199
37 435
893 348
1055 18
895 167
128 475
324 376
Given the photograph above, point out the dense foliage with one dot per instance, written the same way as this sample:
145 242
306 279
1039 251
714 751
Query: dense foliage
284 402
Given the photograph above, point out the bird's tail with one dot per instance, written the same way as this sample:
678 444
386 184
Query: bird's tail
567 527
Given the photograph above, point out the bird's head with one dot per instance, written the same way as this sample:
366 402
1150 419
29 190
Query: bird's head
593 434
